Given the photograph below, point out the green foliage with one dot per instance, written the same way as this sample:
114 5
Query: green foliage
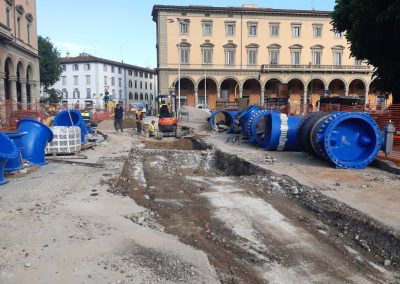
50 69
373 29
54 96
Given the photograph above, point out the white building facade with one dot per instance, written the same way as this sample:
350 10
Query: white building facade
86 79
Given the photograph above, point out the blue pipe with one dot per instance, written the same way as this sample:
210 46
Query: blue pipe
347 140
72 118
255 125
8 150
15 164
35 141
281 132
244 116
228 118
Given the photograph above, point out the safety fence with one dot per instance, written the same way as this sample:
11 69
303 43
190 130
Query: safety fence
11 112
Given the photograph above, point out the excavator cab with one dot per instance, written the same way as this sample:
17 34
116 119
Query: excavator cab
167 123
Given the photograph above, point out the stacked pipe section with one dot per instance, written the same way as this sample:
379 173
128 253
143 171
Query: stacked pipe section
72 118
8 150
344 139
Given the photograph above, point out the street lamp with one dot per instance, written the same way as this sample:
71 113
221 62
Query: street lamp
205 89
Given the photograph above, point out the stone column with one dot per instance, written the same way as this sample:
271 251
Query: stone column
2 97
2 89
196 97
218 92
305 102
35 94
262 97
240 93
366 98
24 94
346 91
13 91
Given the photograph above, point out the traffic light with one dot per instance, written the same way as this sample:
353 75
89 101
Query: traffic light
106 97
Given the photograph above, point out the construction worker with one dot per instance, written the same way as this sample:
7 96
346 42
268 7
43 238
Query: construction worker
152 128
139 120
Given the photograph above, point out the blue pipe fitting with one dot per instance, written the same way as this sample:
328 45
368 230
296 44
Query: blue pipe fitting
347 140
255 125
35 141
15 164
72 118
227 116
8 150
244 116
281 132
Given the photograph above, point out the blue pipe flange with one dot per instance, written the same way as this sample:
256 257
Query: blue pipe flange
281 132
255 126
245 115
305 129
348 140
8 150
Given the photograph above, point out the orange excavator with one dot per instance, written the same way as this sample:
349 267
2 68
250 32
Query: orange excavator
167 123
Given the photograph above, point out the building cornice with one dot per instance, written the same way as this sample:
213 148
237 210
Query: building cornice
23 49
238 11
94 59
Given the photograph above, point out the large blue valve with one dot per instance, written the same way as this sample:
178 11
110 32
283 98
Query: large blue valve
15 164
35 140
346 140
8 150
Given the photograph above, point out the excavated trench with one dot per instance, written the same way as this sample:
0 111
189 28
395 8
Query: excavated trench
255 226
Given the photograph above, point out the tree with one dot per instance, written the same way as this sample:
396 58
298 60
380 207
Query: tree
372 28
50 69
54 96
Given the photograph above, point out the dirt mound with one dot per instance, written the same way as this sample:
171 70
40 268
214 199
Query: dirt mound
196 114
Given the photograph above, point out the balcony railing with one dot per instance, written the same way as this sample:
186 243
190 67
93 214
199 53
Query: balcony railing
320 68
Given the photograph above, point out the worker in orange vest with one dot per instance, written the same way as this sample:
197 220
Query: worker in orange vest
139 120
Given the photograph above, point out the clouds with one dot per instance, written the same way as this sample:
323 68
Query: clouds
75 48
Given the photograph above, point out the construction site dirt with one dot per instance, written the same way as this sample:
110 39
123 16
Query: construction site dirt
255 226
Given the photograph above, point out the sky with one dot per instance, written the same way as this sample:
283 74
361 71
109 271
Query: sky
123 29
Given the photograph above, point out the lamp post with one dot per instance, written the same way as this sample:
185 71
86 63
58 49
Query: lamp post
179 75
205 89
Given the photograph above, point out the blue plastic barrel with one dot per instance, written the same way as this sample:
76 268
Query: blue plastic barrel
347 140
227 117
245 115
15 164
281 132
35 141
72 118
8 150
